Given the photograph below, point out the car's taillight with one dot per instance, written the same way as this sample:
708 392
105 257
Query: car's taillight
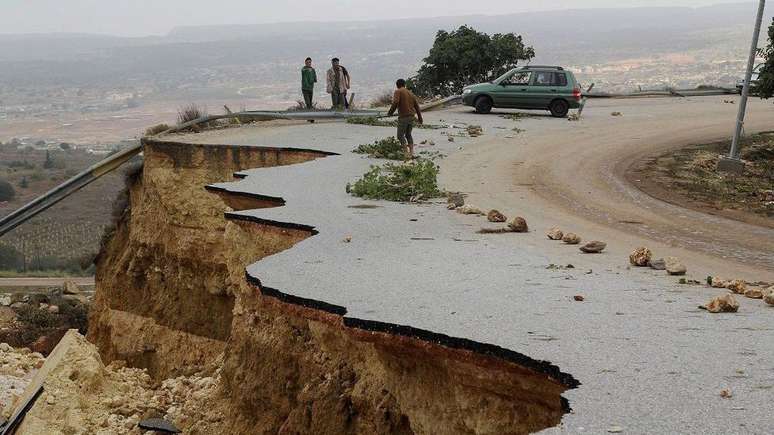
576 93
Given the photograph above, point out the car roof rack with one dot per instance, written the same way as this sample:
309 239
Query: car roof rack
543 67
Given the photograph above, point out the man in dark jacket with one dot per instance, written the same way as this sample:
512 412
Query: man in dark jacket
308 79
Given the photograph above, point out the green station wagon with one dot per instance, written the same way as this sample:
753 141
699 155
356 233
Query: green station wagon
529 87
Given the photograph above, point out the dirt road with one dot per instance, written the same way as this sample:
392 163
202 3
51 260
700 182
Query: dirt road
572 174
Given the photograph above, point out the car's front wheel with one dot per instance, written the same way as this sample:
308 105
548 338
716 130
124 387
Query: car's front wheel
483 105
559 108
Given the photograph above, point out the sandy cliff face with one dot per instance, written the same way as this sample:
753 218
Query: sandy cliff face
172 296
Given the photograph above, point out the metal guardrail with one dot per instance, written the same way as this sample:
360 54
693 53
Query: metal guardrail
67 188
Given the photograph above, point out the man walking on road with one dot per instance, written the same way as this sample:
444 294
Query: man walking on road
308 79
408 107
337 83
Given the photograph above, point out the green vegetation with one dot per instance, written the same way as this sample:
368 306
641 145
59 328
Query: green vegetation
765 87
399 182
49 162
7 192
466 56
388 148
377 122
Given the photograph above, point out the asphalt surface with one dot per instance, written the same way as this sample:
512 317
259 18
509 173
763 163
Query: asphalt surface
649 360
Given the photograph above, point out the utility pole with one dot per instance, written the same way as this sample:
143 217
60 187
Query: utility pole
732 163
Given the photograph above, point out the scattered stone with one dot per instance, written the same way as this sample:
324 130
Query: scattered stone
768 297
593 247
7 316
616 114
518 225
455 199
717 282
579 298
737 286
726 393
5 300
555 234
659 264
722 304
470 209
5 347
475 130
496 216
571 239
640 257
70 288
675 267
53 309
754 293
451 139
615 429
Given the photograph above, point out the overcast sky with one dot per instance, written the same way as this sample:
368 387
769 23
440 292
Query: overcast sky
156 17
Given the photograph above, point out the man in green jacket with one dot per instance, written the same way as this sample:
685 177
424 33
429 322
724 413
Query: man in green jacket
308 79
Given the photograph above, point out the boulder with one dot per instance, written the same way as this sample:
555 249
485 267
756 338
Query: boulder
53 309
70 288
754 293
768 297
518 225
640 257
737 286
456 200
722 304
5 300
717 282
469 209
7 316
555 234
658 264
675 267
495 216
571 239
593 247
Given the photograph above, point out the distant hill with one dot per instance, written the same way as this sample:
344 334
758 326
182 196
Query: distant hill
219 60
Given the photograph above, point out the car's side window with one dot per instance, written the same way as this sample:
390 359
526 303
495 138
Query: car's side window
543 78
520 78
560 79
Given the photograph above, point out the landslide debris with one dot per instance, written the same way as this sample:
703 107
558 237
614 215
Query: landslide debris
593 247
722 304
640 257
496 217
555 234
82 395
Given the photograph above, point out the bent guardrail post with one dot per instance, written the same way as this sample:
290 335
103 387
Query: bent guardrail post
67 188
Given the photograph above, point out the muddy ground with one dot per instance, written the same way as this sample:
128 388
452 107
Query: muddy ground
689 177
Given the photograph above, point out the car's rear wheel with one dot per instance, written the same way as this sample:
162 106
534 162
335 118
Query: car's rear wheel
483 105
559 108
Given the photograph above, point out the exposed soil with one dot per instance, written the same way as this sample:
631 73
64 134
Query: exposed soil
688 177
172 297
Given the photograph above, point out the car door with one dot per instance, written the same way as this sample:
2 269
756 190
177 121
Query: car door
511 91
543 89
